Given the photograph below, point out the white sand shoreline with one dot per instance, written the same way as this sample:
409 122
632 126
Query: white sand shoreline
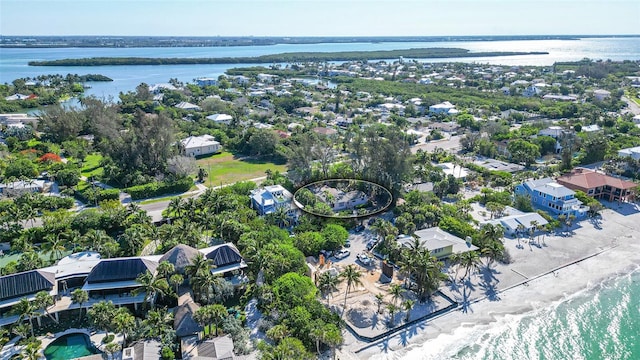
617 252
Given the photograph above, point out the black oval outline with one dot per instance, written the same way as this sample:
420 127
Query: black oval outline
353 217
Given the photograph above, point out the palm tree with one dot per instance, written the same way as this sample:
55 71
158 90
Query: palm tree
278 332
199 265
123 322
407 305
333 338
317 334
95 239
327 284
493 250
21 330
392 309
32 350
156 322
519 231
54 245
26 309
151 286
396 292
175 208
43 301
470 261
176 280
218 314
379 301
165 269
352 276
79 296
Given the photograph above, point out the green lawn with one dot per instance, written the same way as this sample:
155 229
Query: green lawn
91 166
225 168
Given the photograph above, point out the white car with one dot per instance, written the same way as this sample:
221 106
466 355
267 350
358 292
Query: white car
342 254
365 259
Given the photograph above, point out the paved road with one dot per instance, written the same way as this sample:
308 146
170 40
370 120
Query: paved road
632 107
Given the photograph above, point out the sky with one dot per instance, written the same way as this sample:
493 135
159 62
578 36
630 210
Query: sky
318 17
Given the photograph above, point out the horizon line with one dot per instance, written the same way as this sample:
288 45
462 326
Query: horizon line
327 36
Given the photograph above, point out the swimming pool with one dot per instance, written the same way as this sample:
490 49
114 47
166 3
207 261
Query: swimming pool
70 346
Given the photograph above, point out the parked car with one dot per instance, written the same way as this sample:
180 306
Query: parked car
347 243
365 259
359 228
326 253
342 254
371 244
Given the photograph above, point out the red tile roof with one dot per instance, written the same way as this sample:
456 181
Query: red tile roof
588 179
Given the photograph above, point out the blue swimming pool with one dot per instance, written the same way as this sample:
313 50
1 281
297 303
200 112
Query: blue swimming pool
70 346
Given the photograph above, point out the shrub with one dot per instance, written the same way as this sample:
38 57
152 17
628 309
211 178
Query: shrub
159 188
107 339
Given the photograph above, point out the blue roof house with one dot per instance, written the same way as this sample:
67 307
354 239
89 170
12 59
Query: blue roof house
547 195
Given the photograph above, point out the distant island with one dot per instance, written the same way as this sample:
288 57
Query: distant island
284 57
202 41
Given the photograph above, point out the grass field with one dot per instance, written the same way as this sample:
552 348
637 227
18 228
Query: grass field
91 166
225 168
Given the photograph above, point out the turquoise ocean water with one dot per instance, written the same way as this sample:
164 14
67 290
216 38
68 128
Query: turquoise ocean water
601 323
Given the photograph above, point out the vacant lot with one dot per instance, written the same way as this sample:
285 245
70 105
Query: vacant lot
91 166
225 168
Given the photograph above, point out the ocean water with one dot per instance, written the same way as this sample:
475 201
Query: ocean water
601 323
13 62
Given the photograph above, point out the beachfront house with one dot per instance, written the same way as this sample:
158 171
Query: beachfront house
552 197
519 223
440 243
200 145
598 185
17 188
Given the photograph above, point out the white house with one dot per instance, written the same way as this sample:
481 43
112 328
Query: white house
267 78
157 88
457 171
526 222
532 90
601 95
200 145
187 106
633 152
16 97
443 108
440 243
220 118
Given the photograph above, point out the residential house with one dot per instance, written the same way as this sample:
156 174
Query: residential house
26 284
552 197
15 97
598 185
325 131
227 262
497 165
443 108
218 348
591 128
17 188
9 119
601 95
519 223
533 90
180 256
440 243
633 152
267 78
115 280
340 200
206 81
457 171
200 145
267 199
143 350
220 118
187 106
158 88
556 132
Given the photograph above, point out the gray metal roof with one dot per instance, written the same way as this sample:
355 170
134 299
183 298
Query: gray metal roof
548 186
183 321
180 256
25 283
220 348
124 269
223 255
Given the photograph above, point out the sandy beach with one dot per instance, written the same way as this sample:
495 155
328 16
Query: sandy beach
549 271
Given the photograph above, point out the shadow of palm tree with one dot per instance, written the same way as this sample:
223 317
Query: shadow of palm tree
404 339
454 286
465 304
490 291
384 345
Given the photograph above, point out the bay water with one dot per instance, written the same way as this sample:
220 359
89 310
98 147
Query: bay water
13 61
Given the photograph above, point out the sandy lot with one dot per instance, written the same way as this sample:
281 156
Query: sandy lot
539 274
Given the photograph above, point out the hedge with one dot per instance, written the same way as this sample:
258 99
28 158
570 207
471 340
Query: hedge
159 188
